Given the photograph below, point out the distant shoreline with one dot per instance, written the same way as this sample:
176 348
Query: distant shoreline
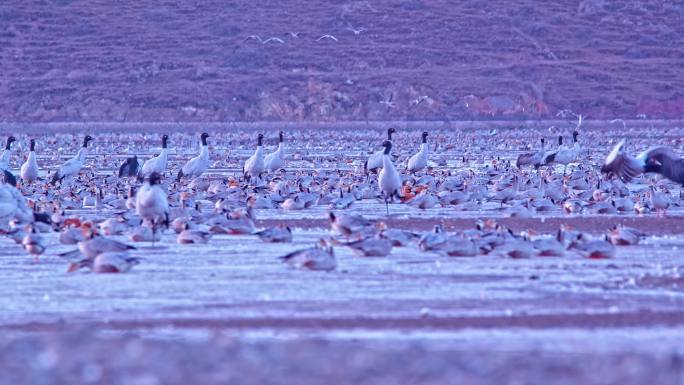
564 124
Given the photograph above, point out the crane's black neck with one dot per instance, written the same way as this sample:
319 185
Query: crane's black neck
32 145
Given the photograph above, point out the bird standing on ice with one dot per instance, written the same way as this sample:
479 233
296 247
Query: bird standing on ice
29 170
254 166
158 163
388 179
374 161
420 160
152 204
197 165
532 158
7 153
130 167
276 159
72 166
564 155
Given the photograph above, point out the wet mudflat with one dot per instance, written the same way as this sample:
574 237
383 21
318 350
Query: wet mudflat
231 311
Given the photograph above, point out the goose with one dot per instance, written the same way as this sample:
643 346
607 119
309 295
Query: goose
660 160
152 204
389 179
423 200
72 166
371 246
399 238
594 248
189 235
276 159
563 155
460 247
659 201
320 257
348 225
344 201
507 194
374 162
29 170
279 234
95 244
532 158
621 235
130 167
112 226
71 236
7 153
293 204
260 202
157 163
433 240
33 242
197 165
420 160
254 165
548 247
107 262
514 247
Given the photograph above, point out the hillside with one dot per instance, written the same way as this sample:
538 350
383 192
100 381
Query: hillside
65 60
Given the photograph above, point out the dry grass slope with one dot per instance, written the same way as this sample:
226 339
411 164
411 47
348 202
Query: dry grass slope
65 60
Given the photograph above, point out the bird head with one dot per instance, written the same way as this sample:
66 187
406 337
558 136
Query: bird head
154 178
388 146
390 131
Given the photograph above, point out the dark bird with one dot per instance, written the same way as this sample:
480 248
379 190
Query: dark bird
9 178
659 160
532 158
130 167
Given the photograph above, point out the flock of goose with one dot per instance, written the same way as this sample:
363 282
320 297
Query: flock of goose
93 210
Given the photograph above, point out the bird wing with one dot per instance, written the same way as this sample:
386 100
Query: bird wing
658 154
150 165
624 166
527 159
665 161
549 157
124 169
71 166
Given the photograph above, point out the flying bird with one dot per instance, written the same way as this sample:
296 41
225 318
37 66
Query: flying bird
659 160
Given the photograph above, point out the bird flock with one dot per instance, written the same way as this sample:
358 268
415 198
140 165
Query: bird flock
94 208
